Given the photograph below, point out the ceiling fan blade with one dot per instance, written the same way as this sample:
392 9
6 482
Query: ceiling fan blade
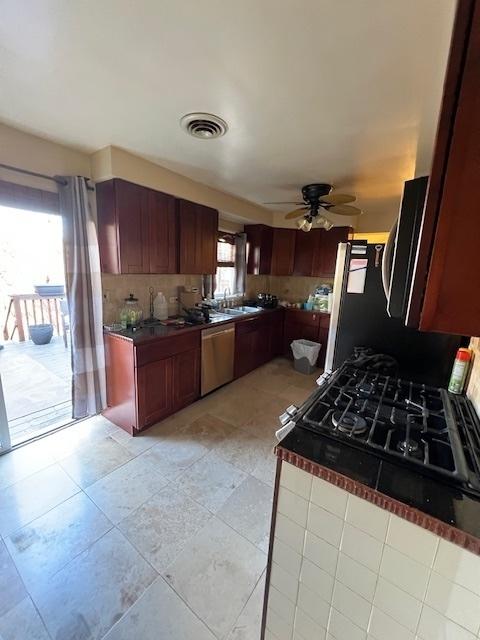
299 203
296 213
337 198
345 210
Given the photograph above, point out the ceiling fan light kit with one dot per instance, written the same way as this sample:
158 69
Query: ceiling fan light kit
317 196
305 224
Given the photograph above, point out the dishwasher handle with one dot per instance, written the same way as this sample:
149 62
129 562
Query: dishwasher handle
215 331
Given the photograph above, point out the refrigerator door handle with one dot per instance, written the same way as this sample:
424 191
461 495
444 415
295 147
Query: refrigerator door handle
338 291
387 262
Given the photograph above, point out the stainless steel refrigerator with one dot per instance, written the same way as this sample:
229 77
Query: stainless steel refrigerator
359 318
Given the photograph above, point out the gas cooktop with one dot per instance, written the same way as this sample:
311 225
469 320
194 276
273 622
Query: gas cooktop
424 427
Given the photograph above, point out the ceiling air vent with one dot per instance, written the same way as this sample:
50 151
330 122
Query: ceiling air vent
203 125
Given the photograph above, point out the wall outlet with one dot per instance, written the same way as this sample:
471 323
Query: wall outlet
173 299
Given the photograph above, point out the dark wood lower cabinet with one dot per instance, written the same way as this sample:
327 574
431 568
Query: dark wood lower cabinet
257 340
308 325
186 378
155 391
148 382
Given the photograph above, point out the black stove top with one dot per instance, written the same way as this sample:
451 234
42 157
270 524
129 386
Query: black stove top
423 427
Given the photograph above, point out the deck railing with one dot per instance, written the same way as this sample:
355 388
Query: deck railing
26 309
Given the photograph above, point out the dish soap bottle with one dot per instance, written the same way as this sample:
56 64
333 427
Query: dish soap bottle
160 307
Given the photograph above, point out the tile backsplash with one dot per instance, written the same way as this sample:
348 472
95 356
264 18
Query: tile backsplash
291 288
473 389
117 288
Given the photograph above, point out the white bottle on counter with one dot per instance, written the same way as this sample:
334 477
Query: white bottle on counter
160 307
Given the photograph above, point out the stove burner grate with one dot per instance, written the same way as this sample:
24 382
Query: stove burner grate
349 423
396 418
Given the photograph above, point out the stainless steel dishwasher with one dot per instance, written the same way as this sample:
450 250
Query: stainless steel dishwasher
218 345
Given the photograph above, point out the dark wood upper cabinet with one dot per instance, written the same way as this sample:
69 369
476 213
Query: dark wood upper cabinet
307 248
326 256
259 248
162 233
445 294
316 251
136 229
198 227
283 252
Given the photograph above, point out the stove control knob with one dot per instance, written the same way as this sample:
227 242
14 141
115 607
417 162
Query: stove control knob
288 414
284 430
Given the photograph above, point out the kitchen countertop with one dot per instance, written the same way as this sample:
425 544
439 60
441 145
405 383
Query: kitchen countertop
448 511
157 332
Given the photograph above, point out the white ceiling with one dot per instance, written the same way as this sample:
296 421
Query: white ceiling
341 91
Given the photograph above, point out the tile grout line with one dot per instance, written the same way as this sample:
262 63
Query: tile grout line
134 455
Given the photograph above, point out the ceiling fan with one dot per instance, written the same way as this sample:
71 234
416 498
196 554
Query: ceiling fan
317 198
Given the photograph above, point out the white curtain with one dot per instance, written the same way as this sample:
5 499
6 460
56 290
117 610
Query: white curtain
84 295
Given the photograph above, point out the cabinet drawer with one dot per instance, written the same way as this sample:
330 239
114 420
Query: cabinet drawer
299 316
250 324
166 347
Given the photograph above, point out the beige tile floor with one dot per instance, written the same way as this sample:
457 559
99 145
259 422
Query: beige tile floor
162 536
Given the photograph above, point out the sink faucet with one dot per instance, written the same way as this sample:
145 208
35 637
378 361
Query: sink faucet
225 296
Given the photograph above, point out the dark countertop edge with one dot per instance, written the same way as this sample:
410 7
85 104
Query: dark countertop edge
323 313
400 509
169 332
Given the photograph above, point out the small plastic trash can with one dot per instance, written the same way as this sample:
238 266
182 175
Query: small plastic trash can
305 354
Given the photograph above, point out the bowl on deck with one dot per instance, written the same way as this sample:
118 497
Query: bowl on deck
40 333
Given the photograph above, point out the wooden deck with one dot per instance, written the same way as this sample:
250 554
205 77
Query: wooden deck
36 383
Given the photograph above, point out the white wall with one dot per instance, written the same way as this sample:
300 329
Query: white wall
30 152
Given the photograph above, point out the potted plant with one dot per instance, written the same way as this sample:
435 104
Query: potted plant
40 333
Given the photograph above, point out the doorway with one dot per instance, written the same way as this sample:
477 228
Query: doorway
35 357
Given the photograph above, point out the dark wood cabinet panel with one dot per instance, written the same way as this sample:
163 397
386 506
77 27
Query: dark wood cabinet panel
451 299
198 227
136 229
148 382
244 353
257 340
131 204
325 256
155 391
276 333
108 240
451 90
307 248
162 233
187 230
209 238
121 383
283 252
186 378
259 248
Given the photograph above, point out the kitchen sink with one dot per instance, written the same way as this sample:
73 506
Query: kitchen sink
247 309
233 312
241 311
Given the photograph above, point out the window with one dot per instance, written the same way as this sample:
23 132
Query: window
226 272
